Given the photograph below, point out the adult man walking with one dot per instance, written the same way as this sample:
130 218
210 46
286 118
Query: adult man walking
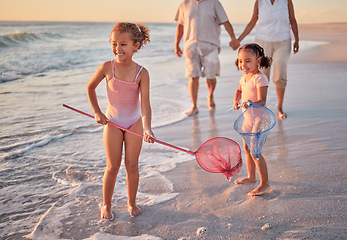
199 21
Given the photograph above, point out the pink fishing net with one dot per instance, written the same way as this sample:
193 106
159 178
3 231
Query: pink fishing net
220 155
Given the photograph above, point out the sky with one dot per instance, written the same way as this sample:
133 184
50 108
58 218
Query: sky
238 11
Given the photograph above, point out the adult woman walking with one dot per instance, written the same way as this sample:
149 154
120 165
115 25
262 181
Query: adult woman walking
275 20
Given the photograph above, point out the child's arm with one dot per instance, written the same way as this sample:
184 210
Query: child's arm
237 98
146 106
98 76
262 93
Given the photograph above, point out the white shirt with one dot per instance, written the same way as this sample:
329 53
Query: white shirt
273 21
201 20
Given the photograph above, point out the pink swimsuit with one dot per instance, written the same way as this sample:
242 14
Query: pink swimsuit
123 106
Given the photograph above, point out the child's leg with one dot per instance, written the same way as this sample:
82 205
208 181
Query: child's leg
133 145
113 141
250 167
264 186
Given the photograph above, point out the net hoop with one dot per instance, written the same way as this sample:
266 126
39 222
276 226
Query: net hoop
229 164
272 125
253 125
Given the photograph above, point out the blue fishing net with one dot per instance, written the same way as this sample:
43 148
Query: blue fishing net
253 125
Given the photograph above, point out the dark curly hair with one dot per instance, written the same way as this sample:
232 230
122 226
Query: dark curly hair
265 61
138 32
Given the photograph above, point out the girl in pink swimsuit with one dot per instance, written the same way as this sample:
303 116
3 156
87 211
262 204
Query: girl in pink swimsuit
253 88
123 106
125 81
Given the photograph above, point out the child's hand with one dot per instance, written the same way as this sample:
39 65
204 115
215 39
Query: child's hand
100 118
236 105
148 136
246 104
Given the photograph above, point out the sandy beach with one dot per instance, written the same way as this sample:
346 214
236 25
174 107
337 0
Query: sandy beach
305 153
53 159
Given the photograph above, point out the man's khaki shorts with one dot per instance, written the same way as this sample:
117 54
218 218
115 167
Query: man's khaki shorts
203 61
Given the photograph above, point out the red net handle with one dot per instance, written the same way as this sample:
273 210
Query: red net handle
127 130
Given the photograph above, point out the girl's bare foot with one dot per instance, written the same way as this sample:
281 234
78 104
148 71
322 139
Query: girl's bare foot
193 111
106 214
134 210
281 114
260 190
245 180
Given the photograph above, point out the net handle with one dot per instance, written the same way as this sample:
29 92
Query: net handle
127 130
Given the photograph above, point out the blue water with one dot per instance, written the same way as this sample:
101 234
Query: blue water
52 159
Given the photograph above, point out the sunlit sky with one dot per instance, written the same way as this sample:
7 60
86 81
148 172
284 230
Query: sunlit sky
239 11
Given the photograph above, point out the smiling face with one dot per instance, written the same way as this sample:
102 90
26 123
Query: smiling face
123 46
248 61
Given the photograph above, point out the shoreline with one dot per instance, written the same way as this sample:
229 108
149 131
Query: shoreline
55 160
335 34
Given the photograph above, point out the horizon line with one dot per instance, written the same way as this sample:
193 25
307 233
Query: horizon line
173 22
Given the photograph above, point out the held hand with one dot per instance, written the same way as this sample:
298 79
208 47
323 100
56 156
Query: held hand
296 47
100 118
178 51
234 44
148 136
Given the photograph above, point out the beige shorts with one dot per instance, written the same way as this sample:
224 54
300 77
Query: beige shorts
202 60
279 52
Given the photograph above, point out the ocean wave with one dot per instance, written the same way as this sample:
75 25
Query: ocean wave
9 76
72 176
25 146
32 145
17 38
168 112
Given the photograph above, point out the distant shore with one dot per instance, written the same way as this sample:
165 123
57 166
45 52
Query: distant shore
333 33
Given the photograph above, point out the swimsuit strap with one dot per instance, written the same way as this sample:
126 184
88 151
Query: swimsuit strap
137 72
112 63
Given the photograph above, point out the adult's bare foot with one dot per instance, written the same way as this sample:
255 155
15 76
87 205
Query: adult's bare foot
282 115
193 111
210 102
